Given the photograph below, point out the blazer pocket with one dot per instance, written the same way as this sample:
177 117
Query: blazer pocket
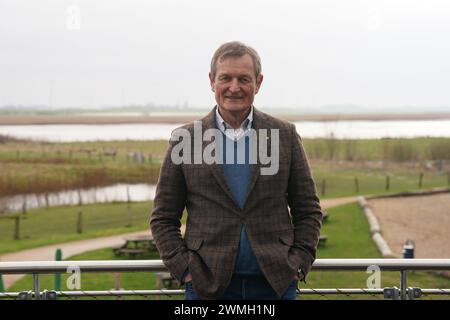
287 239
194 244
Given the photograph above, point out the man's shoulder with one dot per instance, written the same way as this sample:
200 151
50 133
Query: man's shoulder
272 122
190 125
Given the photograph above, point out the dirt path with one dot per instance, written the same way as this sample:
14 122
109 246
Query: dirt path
70 249
423 219
334 202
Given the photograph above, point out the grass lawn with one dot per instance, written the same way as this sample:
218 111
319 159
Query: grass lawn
59 224
340 180
348 235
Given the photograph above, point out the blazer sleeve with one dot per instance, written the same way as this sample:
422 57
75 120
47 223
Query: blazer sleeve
165 221
304 206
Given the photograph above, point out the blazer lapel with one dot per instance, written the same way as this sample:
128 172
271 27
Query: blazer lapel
258 123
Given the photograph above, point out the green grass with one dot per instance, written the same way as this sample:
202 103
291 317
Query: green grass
387 149
340 180
59 224
349 237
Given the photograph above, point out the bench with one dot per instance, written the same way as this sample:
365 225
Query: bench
132 252
135 245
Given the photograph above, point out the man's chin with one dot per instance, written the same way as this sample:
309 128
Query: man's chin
235 107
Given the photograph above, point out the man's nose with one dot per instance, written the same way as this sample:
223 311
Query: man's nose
234 86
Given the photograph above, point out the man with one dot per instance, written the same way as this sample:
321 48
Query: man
250 233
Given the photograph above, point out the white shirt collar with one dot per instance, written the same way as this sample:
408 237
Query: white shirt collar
236 133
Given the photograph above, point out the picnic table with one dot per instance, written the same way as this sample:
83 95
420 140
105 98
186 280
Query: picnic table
135 245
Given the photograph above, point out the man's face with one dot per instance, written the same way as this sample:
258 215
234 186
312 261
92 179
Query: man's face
235 83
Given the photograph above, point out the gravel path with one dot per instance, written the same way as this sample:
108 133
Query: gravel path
423 219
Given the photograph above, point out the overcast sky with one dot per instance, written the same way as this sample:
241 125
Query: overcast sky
375 54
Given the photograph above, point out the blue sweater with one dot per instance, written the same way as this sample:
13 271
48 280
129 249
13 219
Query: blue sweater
237 177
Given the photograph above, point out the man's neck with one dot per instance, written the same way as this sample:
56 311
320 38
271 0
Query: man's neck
234 118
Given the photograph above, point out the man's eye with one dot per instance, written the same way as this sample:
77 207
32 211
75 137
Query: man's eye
224 78
245 80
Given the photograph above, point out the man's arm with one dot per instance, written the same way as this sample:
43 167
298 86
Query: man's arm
304 205
166 217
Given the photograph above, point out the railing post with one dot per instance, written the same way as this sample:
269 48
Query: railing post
58 257
36 286
403 285
2 287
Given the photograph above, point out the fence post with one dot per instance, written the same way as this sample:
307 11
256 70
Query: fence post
387 182
356 185
130 213
420 180
130 216
80 222
403 285
47 202
24 207
324 184
17 228
57 284
80 199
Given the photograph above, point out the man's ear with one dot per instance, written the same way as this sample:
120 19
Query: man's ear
258 83
211 81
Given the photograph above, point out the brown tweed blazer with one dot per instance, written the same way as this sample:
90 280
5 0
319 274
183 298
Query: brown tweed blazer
282 215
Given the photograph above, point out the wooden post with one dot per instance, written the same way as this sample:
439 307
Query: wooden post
80 200
47 202
17 228
448 178
387 183
80 222
356 185
420 180
324 184
24 207
130 217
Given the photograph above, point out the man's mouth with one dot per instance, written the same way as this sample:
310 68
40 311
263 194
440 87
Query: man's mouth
234 98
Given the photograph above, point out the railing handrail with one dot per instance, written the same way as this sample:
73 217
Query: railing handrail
39 267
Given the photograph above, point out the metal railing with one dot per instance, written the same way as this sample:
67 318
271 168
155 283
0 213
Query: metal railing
50 267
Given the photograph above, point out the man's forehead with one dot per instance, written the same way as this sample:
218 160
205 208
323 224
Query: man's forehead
243 64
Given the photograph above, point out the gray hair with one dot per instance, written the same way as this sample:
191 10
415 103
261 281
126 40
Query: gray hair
235 49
